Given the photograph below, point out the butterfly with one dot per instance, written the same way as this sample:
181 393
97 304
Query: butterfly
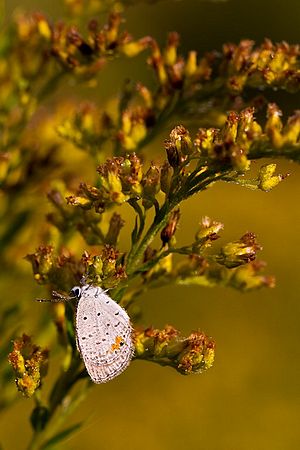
103 332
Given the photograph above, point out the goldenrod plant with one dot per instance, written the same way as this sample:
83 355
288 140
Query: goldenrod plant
47 152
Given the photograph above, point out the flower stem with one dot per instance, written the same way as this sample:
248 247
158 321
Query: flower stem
59 397
159 222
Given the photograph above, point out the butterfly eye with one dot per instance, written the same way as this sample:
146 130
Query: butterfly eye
76 291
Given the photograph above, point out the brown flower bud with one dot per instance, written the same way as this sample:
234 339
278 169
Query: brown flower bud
240 252
151 182
170 229
170 54
172 153
166 173
115 225
208 231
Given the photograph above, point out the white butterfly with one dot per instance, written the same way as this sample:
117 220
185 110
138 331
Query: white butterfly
103 332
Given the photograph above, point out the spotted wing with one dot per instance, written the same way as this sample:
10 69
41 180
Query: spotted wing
104 335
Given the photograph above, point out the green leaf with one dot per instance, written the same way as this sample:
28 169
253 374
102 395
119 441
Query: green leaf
134 232
15 226
56 439
69 313
8 316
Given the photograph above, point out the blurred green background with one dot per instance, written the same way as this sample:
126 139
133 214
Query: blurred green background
250 398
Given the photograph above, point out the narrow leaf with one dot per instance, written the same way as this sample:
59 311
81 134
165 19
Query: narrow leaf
56 439
134 232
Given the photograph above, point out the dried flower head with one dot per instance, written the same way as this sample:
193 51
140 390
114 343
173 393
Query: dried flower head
192 354
30 364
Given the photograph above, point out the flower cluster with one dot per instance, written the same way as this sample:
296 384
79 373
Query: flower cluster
192 354
64 270
270 65
240 252
181 81
234 265
30 364
274 65
184 82
60 270
88 129
105 269
199 271
242 138
84 56
214 154
120 179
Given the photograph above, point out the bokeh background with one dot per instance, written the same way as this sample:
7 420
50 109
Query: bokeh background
250 398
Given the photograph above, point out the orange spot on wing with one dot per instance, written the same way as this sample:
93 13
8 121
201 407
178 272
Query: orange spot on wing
117 343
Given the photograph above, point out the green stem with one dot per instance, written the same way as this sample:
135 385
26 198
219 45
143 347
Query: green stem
138 210
59 393
193 185
159 222
50 86
186 250
199 186
290 152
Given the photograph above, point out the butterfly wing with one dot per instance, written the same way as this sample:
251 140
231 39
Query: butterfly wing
104 335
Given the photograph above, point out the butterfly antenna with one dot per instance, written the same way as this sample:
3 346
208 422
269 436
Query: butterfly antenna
56 298
83 280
